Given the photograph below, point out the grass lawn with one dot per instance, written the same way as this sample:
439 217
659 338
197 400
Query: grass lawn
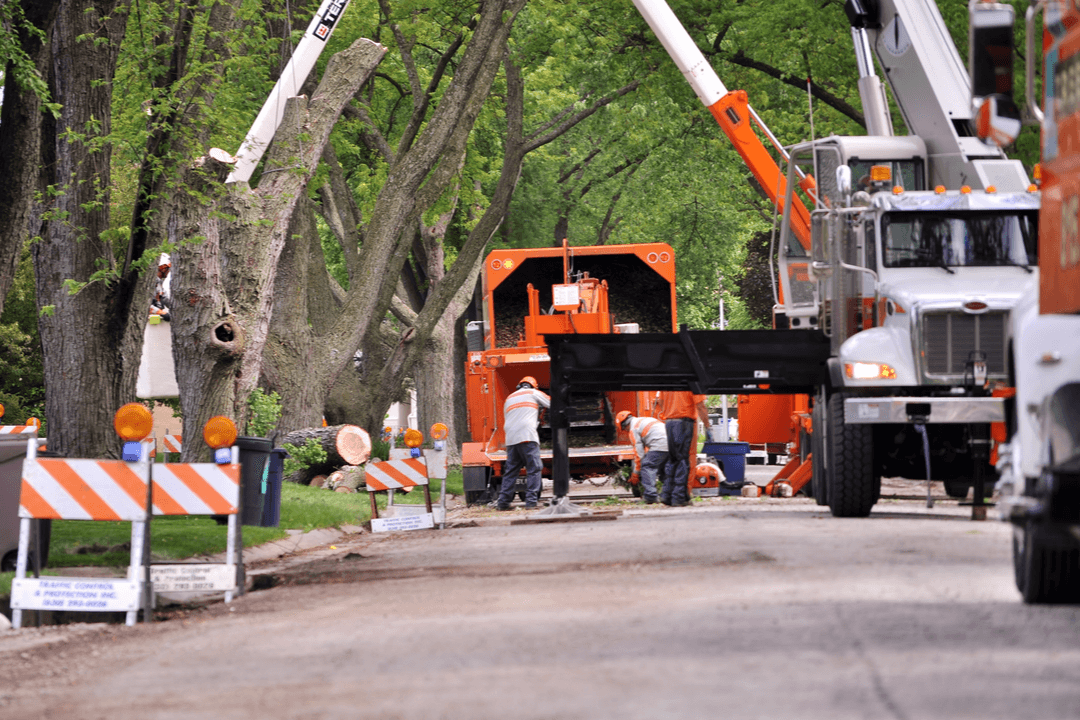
105 544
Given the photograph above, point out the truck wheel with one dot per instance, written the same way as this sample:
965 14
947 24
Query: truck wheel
817 447
852 487
1047 560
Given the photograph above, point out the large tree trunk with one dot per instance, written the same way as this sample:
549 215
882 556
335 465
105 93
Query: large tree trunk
90 339
416 179
223 287
300 316
20 143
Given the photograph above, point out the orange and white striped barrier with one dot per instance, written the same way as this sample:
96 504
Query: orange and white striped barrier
196 489
56 489
63 489
18 429
397 474
200 489
172 443
403 472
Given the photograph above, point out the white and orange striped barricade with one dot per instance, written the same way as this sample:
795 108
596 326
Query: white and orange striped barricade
171 444
19 430
200 489
401 472
63 489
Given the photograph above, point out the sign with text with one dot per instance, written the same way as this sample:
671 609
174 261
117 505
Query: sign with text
190 577
58 593
405 522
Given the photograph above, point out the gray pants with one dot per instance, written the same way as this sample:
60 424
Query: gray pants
651 465
527 455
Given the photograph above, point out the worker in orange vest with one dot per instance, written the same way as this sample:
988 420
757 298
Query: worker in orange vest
650 450
680 411
521 414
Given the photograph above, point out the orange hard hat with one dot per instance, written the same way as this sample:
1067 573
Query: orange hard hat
622 417
530 380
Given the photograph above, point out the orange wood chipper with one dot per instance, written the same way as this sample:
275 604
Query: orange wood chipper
532 292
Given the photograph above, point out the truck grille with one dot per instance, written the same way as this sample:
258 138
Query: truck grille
949 339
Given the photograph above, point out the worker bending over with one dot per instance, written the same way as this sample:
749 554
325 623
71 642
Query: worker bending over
650 450
680 411
521 415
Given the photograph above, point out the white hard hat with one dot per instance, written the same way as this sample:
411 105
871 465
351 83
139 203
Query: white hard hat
164 259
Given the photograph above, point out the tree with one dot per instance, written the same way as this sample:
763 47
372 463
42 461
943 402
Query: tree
24 27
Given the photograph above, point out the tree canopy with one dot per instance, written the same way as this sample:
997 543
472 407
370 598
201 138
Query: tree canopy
355 249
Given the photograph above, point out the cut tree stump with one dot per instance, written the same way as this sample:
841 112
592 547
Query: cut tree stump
344 444
349 476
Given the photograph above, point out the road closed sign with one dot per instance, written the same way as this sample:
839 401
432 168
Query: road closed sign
189 577
57 593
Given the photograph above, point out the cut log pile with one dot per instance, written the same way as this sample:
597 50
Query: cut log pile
346 447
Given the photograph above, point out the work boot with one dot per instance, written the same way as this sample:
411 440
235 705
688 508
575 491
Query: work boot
503 508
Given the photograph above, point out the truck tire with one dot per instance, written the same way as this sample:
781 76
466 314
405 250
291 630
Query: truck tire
1047 562
852 486
818 437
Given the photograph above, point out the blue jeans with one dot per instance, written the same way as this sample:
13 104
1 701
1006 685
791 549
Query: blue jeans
527 455
653 463
680 439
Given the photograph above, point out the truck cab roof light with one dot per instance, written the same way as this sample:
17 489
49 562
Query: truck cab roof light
965 190
940 189
898 190
880 173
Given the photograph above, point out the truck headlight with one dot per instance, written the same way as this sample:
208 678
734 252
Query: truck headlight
869 371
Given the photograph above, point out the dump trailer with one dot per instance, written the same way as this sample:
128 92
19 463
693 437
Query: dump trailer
533 293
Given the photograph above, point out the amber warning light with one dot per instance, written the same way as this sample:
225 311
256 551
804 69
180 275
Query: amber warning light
219 433
132 423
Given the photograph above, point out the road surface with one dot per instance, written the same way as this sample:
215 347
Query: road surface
741 609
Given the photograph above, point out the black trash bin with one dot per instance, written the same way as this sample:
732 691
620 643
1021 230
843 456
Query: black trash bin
12 454
254 453
271 516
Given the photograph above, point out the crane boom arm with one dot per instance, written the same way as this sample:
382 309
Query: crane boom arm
288 85
731 109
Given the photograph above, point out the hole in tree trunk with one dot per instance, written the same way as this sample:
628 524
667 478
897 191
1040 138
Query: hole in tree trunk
224 332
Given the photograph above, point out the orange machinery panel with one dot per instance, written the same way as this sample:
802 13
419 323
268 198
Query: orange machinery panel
767 418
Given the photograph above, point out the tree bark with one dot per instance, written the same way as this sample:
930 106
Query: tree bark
223 286
20 143
91 339
343 444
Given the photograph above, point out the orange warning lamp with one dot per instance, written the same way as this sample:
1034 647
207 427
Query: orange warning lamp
1 410
132 422
880 173
219 432
438 432
33 422
413 438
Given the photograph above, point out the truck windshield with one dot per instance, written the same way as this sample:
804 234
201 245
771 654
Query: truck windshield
959 239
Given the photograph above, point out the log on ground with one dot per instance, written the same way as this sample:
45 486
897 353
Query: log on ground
344 444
